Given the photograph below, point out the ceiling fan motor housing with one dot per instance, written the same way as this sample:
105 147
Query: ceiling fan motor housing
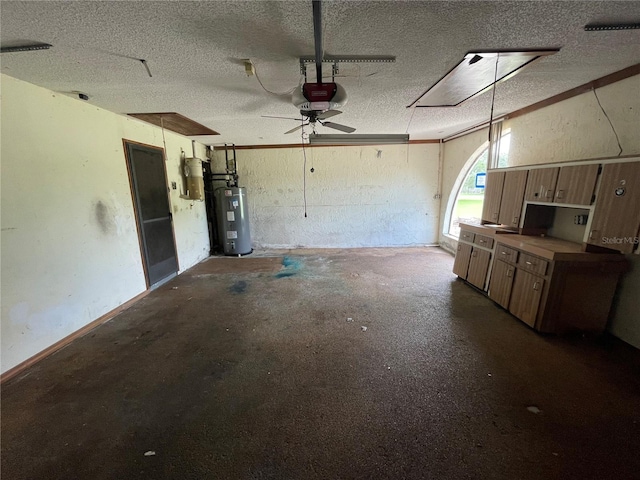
319 97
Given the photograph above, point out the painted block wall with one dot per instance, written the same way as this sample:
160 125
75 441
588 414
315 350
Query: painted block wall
358 196
574 129
70 250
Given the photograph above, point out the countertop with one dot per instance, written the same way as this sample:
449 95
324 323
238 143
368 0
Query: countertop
552 248
488 229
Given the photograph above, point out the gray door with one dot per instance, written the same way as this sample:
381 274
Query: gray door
153 213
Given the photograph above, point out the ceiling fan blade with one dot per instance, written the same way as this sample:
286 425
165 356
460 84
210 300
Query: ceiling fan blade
294 129
337 126
328 114
286 118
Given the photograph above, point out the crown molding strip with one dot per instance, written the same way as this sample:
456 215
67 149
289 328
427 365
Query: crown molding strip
306 145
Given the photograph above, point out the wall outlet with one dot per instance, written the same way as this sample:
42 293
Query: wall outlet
580 219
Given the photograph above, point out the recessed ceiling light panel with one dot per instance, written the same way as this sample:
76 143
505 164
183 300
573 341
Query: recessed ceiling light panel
337 139
476 74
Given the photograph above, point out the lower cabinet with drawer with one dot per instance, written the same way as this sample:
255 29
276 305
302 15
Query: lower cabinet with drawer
473 258
566 292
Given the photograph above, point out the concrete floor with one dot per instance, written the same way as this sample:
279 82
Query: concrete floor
248 368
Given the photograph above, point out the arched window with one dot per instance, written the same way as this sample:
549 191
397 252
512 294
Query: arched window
467 196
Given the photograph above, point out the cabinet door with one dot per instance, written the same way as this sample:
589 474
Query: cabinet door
525 296
515 183
501 282
478 266
492 196
576 184
541 185
616 218
461 264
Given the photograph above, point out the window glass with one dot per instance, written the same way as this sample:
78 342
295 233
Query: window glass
467 207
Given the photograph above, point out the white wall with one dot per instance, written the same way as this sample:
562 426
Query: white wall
574 129
70 250
367 196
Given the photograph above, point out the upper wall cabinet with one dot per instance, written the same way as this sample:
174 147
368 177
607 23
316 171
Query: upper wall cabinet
616 218
576 184
492 196
515 183
541 185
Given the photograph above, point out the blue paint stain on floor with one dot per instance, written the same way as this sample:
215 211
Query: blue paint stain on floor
238 287
292 266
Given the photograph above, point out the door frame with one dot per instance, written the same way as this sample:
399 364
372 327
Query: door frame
136 210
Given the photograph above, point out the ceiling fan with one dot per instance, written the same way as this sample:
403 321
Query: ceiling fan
318 101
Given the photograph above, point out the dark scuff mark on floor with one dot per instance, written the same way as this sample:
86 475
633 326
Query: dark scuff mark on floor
238 287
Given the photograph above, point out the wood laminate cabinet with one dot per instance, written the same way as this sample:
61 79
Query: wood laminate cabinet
461 263
478 267
515 182
492 196
576 184
473 256
616 218
552 286
525 296
541 184
501 283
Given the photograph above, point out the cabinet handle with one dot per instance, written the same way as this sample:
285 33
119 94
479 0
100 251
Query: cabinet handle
503 253
459 247
481 241
532 264
515 220
474 254
592 234
560 194
509 273
536 286
549 194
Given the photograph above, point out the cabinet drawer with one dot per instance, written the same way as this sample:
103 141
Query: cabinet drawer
467 236
506 254
483 241
532 264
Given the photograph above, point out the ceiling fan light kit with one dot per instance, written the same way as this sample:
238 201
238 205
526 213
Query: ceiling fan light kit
317 101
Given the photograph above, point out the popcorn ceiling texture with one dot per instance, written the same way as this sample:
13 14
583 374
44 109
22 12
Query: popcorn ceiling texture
195 52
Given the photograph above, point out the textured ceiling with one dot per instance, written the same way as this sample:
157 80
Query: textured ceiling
194 51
